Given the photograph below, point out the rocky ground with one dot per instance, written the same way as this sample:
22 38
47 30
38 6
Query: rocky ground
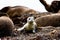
43 33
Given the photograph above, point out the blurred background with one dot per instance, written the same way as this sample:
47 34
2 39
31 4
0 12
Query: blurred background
33 4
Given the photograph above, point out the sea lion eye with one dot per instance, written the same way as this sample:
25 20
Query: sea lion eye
29 18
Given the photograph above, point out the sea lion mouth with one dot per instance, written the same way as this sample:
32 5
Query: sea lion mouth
31 22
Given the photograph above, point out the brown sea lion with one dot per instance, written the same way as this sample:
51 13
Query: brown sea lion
48 20
6 26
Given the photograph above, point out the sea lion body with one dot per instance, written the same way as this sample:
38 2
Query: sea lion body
48 20
6 26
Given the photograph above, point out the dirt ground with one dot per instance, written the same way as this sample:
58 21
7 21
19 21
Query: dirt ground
43 33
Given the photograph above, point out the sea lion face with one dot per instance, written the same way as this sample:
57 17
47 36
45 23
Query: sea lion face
30 19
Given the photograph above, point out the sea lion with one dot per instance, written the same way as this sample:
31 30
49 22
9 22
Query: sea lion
29 26
6 26
48 20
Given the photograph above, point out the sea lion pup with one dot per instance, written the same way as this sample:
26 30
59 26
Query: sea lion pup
6 26
48 20
29 26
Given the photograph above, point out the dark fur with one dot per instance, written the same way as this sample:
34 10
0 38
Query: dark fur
54 7
5 9
3 14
